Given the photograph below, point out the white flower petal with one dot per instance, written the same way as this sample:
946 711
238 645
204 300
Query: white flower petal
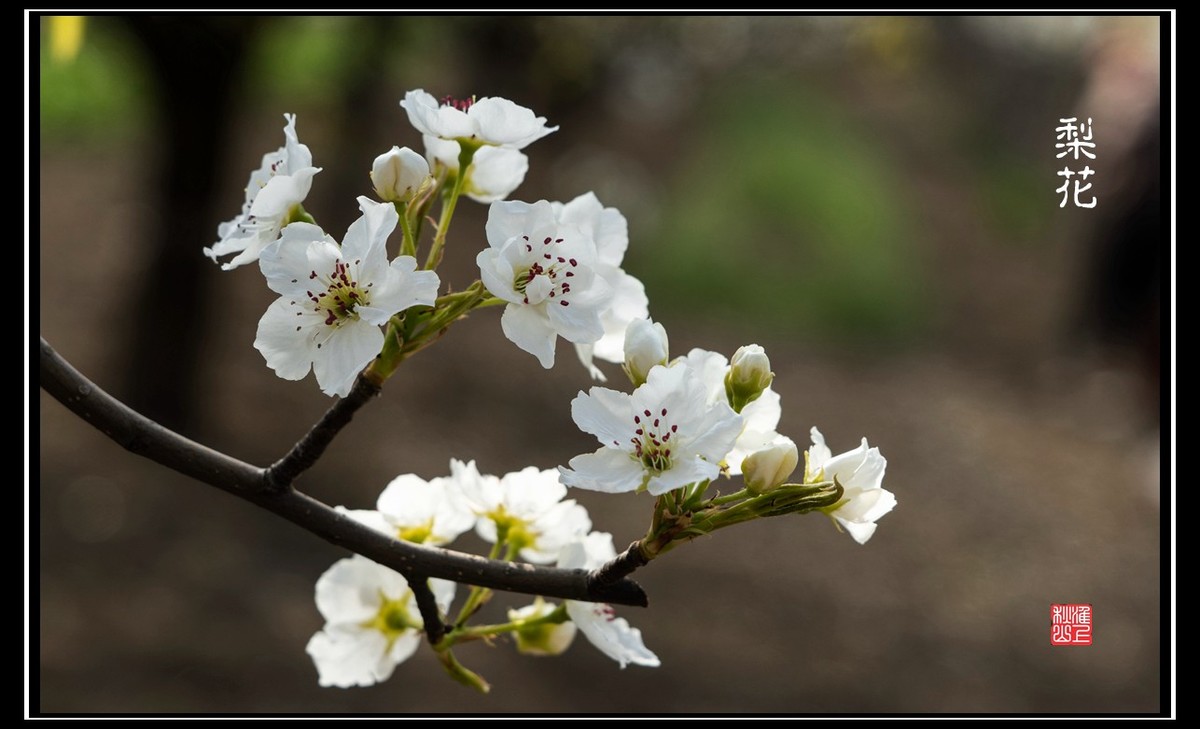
681 473
528 328
403 647
347 657
512 218
443 592
369 518
586 353
283 192
608 469
588 553
606 414
348 593
402 287
495 172
845 464
430 117
860 532
284 263
500 121
578 320
366 238
296 155
714 434
627 303
613 636
349 349
606 226
763 413
288 352
561 524
818 454
866 506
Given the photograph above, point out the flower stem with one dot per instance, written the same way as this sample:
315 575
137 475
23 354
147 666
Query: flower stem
735 496
462 674
480 594
465 155
408 246
476 632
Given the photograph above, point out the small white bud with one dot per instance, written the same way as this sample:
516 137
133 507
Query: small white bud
398 174
645 347
769 468
749 375
545 639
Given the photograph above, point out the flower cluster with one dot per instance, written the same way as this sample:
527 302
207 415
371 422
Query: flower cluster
372 622
693 419
351 309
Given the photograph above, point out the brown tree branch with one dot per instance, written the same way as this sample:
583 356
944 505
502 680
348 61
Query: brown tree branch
619 567
308 449
146 438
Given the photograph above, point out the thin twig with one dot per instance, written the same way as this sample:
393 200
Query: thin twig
619 567
427 604
308 449
144 437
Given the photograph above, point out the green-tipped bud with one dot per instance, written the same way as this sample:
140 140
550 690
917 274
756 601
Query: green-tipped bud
645 347
749 375
542 638
399 174
769 468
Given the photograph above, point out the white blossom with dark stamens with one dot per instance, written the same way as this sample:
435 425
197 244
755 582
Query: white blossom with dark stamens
664 436
273 195
546 273
610 232
489 120
334 298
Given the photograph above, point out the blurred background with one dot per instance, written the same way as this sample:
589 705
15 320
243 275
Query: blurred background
872 199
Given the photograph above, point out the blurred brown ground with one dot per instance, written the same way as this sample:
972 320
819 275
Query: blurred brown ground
1027 473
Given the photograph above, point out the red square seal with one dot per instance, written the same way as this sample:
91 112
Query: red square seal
1070 624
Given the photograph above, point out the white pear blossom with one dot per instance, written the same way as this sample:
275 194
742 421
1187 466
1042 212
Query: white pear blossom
546 271
371 622
273 196
614 636
333 298
760 418
546 639
489 120
667 434
398 174
493 174
527 505
609 231
860 472
419 511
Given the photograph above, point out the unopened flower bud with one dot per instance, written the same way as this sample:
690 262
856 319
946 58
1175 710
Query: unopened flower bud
749 375
645 347
398 174
769 468
542 639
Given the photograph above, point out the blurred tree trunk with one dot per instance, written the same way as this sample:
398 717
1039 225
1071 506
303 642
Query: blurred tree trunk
195 63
